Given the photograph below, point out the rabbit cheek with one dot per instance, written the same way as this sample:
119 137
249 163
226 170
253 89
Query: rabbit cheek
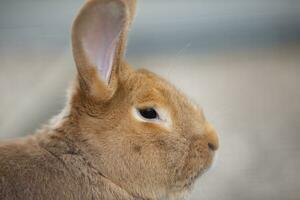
175 151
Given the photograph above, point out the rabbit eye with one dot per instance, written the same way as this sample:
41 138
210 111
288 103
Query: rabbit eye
149 113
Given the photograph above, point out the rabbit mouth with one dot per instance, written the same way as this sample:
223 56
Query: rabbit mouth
189 177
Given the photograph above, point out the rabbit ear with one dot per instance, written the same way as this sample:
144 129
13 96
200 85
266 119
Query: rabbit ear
99 39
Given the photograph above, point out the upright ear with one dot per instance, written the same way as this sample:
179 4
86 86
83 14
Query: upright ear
99 39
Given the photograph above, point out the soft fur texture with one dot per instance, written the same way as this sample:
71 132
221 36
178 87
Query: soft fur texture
97 149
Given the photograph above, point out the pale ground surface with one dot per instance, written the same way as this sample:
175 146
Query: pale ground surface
251 97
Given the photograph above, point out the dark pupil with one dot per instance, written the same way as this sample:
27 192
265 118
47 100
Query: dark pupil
149 113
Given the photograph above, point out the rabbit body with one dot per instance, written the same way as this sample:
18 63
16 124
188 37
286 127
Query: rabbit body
47 166
125 134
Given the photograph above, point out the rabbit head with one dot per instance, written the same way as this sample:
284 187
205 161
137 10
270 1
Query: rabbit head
144 134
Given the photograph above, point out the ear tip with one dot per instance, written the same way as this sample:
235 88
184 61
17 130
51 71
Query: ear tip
125 9
116 8
115 3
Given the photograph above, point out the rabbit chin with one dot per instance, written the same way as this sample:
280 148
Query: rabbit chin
179 195
184 192
184 187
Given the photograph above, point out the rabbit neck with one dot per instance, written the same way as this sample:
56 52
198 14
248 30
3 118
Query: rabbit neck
79 163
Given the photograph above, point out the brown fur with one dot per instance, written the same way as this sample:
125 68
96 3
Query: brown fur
97 150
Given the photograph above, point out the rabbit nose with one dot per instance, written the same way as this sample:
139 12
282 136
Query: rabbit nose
212 137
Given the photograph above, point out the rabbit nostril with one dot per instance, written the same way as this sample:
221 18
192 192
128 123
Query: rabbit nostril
211 146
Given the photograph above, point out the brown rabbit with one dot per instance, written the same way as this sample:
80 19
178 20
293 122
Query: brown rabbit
124 135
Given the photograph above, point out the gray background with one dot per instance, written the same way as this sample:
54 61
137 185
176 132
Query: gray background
239 59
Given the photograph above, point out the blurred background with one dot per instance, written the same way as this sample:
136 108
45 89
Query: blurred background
238 59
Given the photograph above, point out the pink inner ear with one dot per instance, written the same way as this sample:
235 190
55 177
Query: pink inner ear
102 32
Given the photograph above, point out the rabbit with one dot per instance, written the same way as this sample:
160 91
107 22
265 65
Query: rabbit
124 134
